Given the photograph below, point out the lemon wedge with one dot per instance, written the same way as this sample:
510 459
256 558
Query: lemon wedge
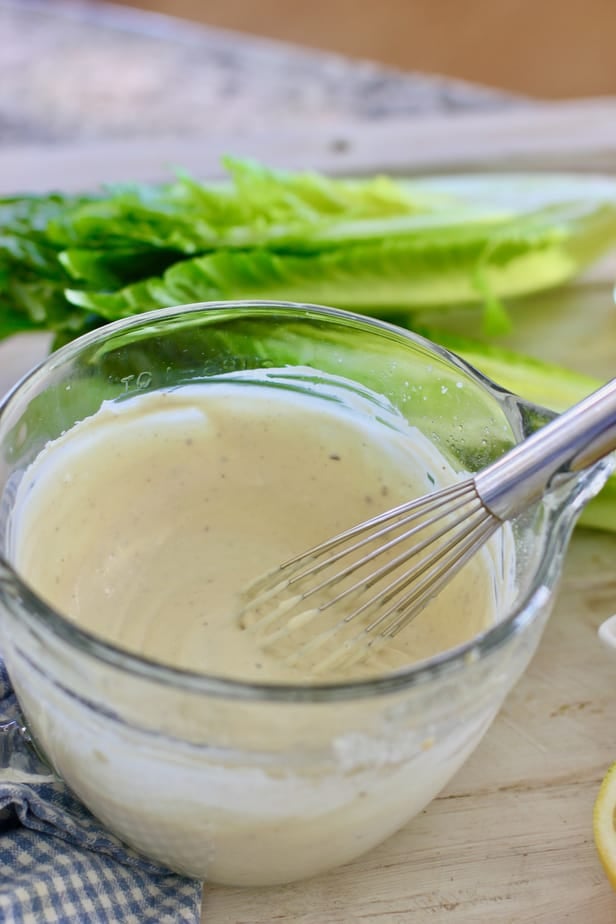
604 823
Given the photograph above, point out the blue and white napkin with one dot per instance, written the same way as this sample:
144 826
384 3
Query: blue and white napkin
58 864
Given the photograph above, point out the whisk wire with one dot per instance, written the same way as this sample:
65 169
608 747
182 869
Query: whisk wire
413 604
408 608
433 558
370 580
353 649
470 517
404 514
393 522
457 516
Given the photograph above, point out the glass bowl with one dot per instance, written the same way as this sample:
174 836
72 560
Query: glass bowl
245 783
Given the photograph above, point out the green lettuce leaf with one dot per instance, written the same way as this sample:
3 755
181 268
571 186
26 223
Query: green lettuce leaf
453 265
385 244
256 208
382 246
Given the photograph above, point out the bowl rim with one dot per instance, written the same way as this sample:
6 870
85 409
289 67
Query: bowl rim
40 616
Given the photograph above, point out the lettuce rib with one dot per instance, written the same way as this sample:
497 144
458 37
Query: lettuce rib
385 275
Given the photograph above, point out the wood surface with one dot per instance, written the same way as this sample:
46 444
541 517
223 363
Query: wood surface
549 48
544 136
510 839
77 69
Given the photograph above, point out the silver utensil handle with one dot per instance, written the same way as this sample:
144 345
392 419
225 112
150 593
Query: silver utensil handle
570 443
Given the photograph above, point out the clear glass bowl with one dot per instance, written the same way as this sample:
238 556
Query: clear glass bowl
237 782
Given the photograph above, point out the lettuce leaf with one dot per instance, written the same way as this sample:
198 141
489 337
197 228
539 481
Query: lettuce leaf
451 266
258 207
379 244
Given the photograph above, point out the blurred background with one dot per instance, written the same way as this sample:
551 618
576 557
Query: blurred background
545 48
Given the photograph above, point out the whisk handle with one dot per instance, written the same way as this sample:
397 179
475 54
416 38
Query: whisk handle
568 444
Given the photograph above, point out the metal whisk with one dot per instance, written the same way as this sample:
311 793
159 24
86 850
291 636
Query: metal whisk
340 599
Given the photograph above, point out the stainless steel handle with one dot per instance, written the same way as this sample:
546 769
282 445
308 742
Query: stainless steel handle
568 444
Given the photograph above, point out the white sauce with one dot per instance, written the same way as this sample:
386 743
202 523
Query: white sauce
143 523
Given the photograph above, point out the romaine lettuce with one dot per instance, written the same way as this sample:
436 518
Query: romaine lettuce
381 246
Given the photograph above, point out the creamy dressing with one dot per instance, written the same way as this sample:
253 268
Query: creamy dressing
144 522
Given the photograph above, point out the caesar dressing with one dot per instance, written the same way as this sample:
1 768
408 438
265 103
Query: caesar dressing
144 522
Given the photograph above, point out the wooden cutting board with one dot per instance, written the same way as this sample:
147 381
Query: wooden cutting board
557 136
510 839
